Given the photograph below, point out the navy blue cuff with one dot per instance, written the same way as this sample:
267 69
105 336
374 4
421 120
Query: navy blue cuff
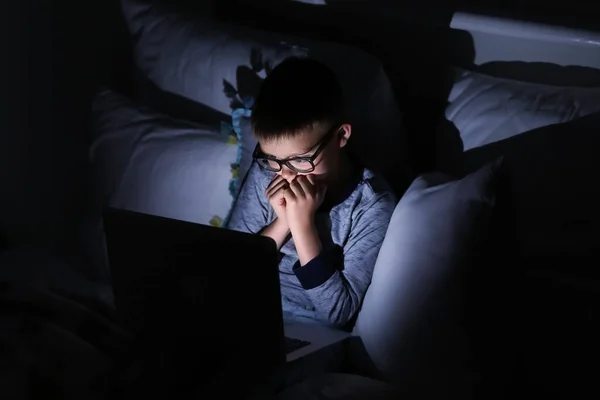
318 270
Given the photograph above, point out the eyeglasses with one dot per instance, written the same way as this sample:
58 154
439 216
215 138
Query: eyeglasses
300 164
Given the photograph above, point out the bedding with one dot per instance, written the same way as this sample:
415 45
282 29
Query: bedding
45 268
411 315
150 163
342 387
222 66
55 346
486 109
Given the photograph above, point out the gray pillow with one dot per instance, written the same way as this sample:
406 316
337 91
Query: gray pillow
409 321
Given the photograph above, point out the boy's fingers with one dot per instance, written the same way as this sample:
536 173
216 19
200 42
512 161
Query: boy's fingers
320 188
317 186
296 188
306 186
273 189
278 179
288 194
279 190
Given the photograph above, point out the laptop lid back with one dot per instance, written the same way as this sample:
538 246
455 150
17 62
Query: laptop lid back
204 302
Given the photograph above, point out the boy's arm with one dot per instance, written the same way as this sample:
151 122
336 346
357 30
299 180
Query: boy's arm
251 212
336 280
278 231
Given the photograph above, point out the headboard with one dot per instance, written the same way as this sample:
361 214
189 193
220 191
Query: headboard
499 39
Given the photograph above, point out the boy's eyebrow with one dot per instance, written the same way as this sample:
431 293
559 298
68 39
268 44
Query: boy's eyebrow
310 150
305 153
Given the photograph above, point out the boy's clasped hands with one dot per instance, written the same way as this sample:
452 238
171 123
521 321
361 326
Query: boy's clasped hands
296 202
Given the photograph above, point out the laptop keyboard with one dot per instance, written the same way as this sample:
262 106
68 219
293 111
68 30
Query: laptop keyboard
292 344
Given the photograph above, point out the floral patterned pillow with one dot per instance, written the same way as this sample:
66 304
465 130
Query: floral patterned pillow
150 163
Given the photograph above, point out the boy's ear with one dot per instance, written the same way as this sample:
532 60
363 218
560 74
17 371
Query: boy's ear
345 133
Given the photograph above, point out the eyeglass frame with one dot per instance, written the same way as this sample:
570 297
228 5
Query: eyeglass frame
322 143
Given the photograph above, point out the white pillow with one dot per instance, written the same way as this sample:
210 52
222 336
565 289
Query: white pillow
149 163
201 59
410 318
487 109
193 57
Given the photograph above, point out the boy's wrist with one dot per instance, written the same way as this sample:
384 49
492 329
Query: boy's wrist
278 231
303 228
306 239
281 225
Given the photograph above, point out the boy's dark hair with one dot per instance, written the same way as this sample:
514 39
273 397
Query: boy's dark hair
299 95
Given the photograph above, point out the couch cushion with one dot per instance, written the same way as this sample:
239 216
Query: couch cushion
410 317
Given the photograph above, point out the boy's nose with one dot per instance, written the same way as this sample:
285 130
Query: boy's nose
287 174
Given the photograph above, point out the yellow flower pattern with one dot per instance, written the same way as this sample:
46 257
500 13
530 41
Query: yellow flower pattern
232 140
235 171
216 221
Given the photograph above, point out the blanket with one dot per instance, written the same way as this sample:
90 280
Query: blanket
53 345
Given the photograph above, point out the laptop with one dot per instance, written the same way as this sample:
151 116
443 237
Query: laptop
201 298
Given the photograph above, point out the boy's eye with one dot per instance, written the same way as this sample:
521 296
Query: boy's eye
271 163
300 162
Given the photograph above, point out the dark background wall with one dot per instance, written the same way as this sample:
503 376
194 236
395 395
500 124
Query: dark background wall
577 13
46 82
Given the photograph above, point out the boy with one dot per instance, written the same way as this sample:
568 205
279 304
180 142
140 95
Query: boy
327 214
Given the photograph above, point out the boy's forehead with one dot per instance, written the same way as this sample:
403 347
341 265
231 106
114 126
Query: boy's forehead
284 147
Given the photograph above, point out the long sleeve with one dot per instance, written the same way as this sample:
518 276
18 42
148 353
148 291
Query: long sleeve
336 281
251 212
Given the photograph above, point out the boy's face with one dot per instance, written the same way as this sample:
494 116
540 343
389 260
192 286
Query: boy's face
319 149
